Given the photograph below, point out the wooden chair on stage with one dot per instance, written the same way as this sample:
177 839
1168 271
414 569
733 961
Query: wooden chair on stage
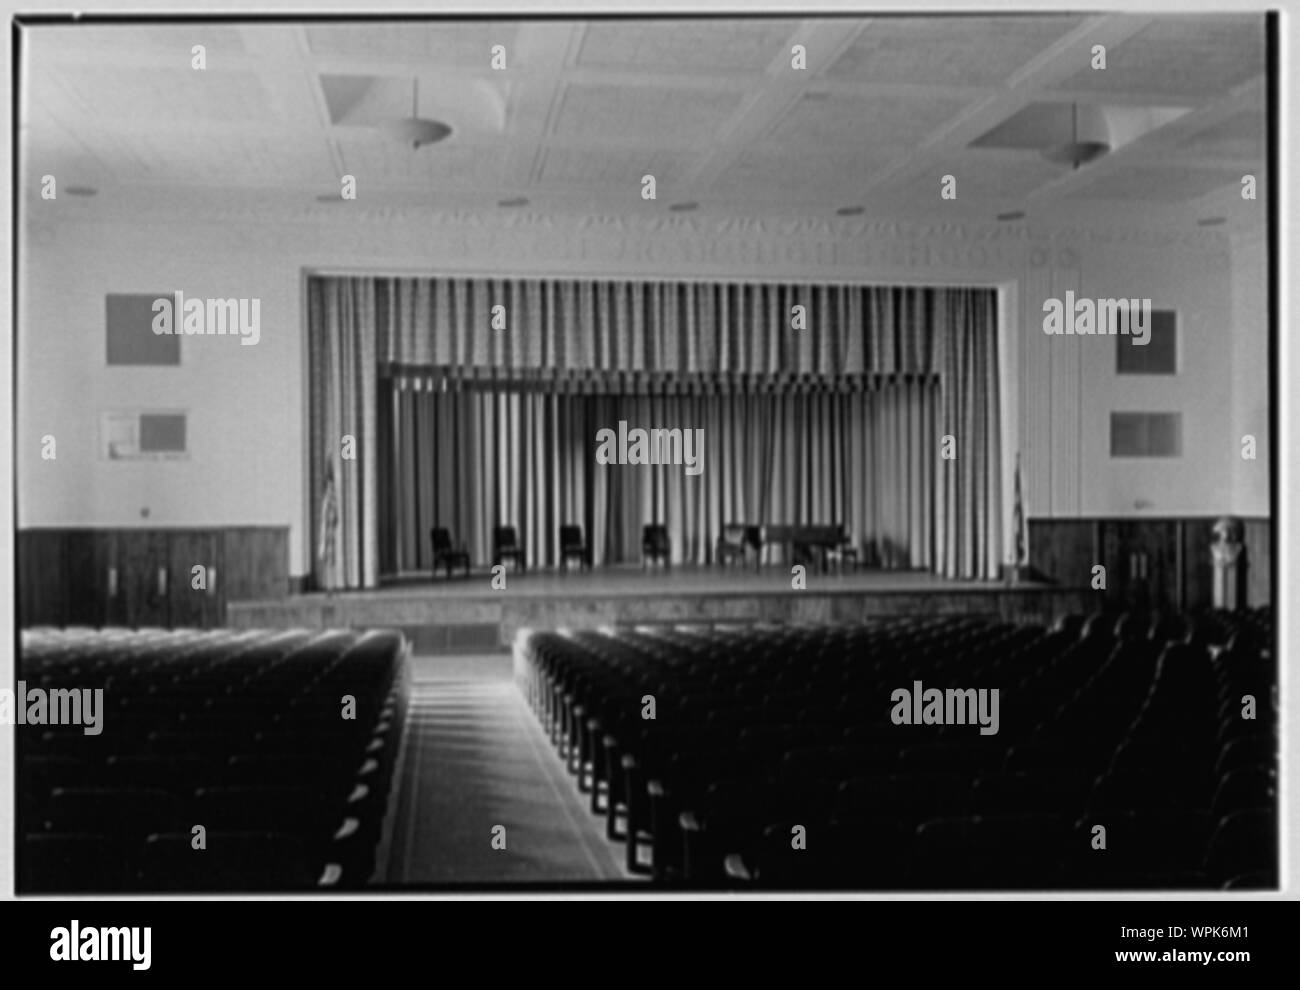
505 546
446 553
737 540
573 545
655 545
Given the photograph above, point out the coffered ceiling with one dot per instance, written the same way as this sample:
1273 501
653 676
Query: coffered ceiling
711 108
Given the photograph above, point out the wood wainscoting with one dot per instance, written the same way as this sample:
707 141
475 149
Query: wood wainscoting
146 577
1154 562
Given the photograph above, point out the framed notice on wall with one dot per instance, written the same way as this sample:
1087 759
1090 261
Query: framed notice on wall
136 435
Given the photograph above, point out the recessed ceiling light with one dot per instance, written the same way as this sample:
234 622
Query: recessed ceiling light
1211 221
513 201
850 211
415 130
81 190
1012 215
684 207
1089 140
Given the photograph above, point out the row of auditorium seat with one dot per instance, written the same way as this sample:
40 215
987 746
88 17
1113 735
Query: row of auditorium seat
768 737
240 732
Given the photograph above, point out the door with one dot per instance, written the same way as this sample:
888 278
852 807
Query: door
145 576
1142 560
195 589
88 579
42 577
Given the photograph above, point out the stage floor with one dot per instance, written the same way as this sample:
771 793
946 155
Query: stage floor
623 579
468 613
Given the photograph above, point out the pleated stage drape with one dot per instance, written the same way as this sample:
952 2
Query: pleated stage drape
809 396
473 459
341 325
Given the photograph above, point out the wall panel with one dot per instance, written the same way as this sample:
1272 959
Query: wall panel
144 577
1177 571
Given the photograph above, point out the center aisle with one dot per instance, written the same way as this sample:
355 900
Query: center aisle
476 759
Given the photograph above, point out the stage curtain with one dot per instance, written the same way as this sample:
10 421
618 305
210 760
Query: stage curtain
341 433
969 506
473 459
593 337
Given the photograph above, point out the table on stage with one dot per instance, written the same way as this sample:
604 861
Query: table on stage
806 536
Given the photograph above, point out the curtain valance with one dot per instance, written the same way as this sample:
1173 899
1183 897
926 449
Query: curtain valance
593 381
754 328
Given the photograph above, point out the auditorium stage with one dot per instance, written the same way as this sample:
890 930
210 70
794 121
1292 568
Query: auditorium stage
466 613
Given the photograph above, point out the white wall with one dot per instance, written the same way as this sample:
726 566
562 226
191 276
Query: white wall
1250 372
244 428
1069 387
247 404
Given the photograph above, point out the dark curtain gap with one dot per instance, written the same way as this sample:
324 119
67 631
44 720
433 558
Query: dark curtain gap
476 459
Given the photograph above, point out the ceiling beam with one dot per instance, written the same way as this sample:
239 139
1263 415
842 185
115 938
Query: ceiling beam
781 90
547 47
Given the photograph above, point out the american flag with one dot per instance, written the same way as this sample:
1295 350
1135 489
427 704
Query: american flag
329 524
1018 520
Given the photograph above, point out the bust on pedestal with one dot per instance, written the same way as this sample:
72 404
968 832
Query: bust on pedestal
1228 551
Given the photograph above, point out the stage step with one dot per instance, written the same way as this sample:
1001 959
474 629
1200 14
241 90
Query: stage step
460 638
